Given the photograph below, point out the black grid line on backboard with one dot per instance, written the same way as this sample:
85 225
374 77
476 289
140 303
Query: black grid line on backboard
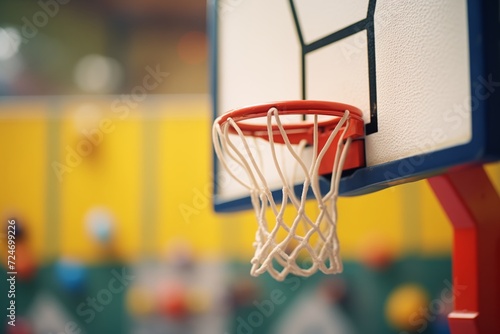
365 24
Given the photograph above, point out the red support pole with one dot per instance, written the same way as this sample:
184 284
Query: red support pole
473 207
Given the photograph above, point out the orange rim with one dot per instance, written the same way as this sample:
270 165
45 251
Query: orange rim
297 131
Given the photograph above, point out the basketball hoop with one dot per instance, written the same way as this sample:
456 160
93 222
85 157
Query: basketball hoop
299 244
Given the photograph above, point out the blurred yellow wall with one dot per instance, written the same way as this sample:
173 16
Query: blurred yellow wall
151 169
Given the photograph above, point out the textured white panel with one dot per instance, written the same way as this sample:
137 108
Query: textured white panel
259 54
339 72
319 18
259 62
422 74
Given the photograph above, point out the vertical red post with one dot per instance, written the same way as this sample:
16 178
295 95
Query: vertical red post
473 207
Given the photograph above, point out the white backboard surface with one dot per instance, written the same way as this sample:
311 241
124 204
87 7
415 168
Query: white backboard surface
405 64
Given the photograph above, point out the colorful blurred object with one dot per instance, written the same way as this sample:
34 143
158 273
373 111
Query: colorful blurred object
22 327
376 251
100 223
140 301
71 275
25 262
405 305
173 301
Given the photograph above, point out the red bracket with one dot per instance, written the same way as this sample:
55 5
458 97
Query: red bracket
473 207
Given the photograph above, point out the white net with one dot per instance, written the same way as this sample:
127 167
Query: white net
289 238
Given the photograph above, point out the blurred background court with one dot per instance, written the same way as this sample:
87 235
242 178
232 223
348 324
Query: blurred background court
106 168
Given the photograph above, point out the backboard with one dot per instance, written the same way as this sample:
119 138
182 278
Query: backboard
425 74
